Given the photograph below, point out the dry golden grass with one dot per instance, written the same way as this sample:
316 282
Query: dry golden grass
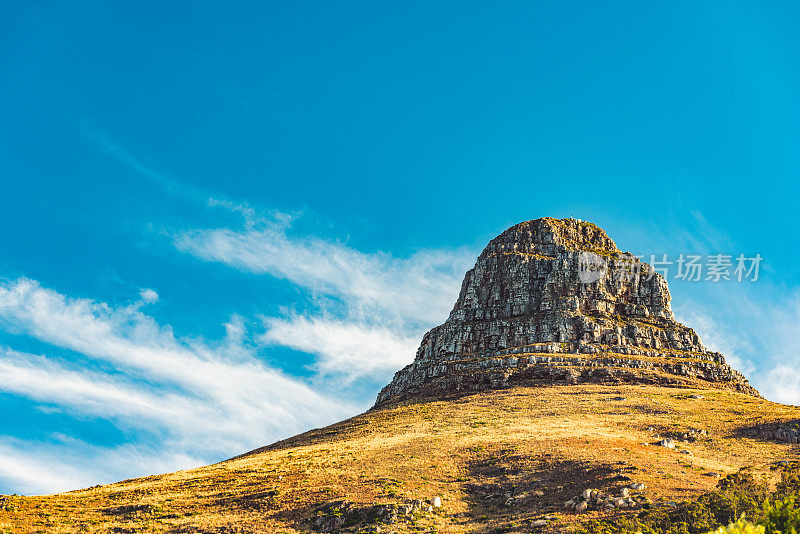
544 445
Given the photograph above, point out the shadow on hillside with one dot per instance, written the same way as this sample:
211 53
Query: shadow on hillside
506 486
772 431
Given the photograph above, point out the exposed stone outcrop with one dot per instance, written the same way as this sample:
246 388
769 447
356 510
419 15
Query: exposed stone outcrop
556 300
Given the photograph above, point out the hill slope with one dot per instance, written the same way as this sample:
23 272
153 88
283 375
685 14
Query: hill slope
499 459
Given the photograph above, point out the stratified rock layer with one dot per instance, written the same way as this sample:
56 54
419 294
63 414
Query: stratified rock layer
530 310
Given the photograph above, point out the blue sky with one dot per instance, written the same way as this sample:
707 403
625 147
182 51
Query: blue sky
222 226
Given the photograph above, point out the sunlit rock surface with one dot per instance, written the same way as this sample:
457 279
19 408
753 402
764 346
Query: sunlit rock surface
554 300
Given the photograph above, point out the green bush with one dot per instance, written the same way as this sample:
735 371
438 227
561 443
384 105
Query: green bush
740 505
740 527
782 516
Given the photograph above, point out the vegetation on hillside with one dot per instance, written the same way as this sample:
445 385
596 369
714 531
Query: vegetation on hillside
502 461
741 504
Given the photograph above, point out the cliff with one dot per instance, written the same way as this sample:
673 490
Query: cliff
556 301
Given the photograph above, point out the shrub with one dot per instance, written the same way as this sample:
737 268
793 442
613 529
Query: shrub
740 527
782 516
739 498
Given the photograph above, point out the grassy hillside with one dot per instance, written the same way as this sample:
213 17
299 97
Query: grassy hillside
501 461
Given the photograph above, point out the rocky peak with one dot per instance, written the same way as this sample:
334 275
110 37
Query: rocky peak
556 300
545 236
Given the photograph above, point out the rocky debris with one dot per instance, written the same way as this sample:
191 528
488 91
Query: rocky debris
693 435
686 436
527 313
342 514
7 503
130 511
629 497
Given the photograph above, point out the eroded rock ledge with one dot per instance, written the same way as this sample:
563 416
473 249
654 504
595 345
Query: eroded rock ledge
526 312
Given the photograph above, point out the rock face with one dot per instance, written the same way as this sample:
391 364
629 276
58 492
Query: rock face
556 301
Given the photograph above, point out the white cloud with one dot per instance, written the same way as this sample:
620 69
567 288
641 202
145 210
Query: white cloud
386 302
420 288
30 473
717 336
755 325
32 467
148 296
757 329
45 380
351 349
782 383
206 400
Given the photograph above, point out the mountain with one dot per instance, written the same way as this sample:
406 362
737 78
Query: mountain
554 301
560 390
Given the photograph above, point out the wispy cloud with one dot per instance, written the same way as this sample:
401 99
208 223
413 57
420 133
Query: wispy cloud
755 325
116 151
385 302
352 349
369 305
32 467
87 392
419 288
148 296
205 400
139 165
757 331
774 334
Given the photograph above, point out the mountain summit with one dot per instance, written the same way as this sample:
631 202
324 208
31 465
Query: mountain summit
556 301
